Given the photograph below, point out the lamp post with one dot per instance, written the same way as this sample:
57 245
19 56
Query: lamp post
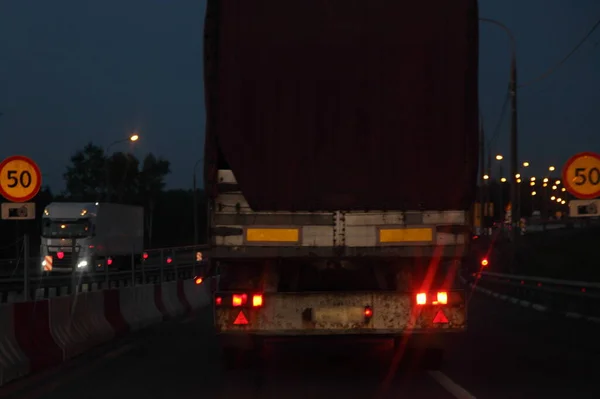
133 138
514 166
195 195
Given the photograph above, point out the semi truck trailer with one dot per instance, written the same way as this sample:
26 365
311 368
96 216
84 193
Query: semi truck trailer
341 166
84 237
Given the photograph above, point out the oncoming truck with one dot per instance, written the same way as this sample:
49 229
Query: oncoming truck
341 166
101 234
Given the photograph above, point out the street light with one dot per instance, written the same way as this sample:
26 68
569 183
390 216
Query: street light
525 164
551 168
132 138
485 177
557 182
503 180
533 193
499 157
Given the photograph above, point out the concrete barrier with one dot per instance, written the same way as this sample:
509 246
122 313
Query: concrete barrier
13 362
149 313
198 296
171 299
40 334
64 329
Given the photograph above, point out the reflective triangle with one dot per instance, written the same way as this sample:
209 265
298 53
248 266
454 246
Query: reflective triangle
440 318
240 319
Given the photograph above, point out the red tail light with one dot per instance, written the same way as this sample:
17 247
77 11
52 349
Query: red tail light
368 312
257 300
484 262
109 261
169 260
60 255
239 299
421 298
145 255
442 298
198 280
218 300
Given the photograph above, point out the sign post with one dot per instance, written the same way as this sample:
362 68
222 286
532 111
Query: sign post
20 178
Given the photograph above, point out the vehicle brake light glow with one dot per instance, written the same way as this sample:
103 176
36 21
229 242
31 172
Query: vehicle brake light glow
218 300
484 262
109 261
169 260
198 280
239 299
368 312
257 300
60 255
421 298
442 298
145 255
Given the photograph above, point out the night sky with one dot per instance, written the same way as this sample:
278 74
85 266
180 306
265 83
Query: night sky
74 71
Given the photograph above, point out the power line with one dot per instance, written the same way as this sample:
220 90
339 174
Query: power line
561 62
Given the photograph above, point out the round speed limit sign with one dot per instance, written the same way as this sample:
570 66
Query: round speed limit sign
20 178
581 175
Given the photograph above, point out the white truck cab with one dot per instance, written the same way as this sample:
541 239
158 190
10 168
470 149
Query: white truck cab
89 236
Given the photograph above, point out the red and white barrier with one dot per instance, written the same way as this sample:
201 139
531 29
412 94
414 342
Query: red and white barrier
197 295
171 300
40 334
13 362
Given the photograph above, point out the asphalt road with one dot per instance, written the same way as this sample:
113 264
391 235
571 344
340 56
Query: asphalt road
508 352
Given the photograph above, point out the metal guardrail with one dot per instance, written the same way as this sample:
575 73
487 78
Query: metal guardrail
572 298
157 265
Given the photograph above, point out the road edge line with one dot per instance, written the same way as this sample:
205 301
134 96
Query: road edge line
527 304
450 386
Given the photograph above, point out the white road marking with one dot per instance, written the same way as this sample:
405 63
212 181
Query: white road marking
452 387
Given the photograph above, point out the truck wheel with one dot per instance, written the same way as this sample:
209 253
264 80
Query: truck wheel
433 358
242 356
428 350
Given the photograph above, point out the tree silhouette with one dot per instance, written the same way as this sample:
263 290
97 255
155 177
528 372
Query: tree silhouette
123 172
151 183
85 177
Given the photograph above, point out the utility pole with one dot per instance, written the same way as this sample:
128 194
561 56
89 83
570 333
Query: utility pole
514 137
195 199
482 173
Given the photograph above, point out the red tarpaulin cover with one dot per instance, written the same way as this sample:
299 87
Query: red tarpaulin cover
344 104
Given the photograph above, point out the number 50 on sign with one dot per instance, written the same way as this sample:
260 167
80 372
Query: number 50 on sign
581 175
20 179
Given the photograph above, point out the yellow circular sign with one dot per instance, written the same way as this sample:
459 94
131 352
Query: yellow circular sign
581 175
20 179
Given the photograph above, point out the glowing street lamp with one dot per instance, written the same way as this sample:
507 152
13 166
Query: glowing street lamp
485 177
551 168
525 164
503 180
499 157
